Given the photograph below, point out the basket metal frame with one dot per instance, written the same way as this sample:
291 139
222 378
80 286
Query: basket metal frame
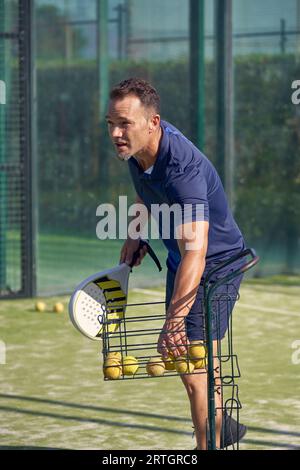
209 290
121 340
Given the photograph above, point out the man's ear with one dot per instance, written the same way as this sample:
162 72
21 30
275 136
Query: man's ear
154 123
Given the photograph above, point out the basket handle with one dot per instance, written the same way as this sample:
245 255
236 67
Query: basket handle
249 251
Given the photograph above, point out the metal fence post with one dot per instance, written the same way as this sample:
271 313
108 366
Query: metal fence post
28 226
197 72
224 94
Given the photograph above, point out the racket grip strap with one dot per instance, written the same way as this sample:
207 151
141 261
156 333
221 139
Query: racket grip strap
149 250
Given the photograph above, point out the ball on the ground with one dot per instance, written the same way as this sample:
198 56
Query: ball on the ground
112 369
40 306
58 307
156 367
130 365
183 365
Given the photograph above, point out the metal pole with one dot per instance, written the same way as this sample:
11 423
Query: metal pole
128 9
32 109
28 226
102 17
120 25
210 371
283 38
220 89
103 86
229 109
197 73
119 30
224 93
3 104
298 31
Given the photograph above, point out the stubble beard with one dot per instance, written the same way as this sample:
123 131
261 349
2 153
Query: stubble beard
123 158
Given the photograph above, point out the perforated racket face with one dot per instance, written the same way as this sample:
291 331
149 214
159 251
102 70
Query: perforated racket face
89 308
100 298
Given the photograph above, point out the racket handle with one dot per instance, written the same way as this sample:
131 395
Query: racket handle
149 250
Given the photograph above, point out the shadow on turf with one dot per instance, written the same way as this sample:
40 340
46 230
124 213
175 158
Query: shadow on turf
94 420
135 426
93 408
29 448
277 445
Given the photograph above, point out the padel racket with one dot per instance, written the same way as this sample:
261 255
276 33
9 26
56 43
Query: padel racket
103 296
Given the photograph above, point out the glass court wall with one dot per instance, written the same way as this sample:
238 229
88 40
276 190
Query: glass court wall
81 48
266 39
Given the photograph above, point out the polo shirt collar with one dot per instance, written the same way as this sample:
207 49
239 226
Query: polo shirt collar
161 160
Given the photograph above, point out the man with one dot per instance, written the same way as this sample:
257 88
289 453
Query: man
167 168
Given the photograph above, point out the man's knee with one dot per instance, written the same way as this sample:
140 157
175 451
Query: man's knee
195 383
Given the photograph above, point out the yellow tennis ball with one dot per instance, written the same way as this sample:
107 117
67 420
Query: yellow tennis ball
114 355
40 306
112 369
169 362
156 367
171 355
130 365
197 350
200 363
183 366
112 361
58 307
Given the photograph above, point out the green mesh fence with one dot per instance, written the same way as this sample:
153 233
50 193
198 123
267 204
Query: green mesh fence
11 175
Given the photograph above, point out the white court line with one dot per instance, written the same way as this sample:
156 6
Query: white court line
147 292
269 310
250 307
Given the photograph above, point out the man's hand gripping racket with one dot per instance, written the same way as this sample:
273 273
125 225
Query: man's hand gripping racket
103 296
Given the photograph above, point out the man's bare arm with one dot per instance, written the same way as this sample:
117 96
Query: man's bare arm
190 269
187 280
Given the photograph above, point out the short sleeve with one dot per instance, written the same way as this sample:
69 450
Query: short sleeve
188 188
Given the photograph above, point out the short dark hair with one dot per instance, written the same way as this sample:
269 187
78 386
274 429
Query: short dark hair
140 88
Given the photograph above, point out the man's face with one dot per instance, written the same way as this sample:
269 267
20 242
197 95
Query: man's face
129 126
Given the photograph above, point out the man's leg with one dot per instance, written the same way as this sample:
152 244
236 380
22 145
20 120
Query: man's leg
196 387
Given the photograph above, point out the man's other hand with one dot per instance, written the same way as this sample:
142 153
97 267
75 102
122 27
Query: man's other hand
129 248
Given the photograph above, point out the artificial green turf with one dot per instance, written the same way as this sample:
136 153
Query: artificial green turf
53 394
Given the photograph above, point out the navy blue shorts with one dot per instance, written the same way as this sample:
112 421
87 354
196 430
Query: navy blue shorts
223 302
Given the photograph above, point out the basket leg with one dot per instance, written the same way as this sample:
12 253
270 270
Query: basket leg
210 378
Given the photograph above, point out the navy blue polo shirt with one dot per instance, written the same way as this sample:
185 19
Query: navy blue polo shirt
182 175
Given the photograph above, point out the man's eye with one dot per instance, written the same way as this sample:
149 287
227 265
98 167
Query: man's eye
123 124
